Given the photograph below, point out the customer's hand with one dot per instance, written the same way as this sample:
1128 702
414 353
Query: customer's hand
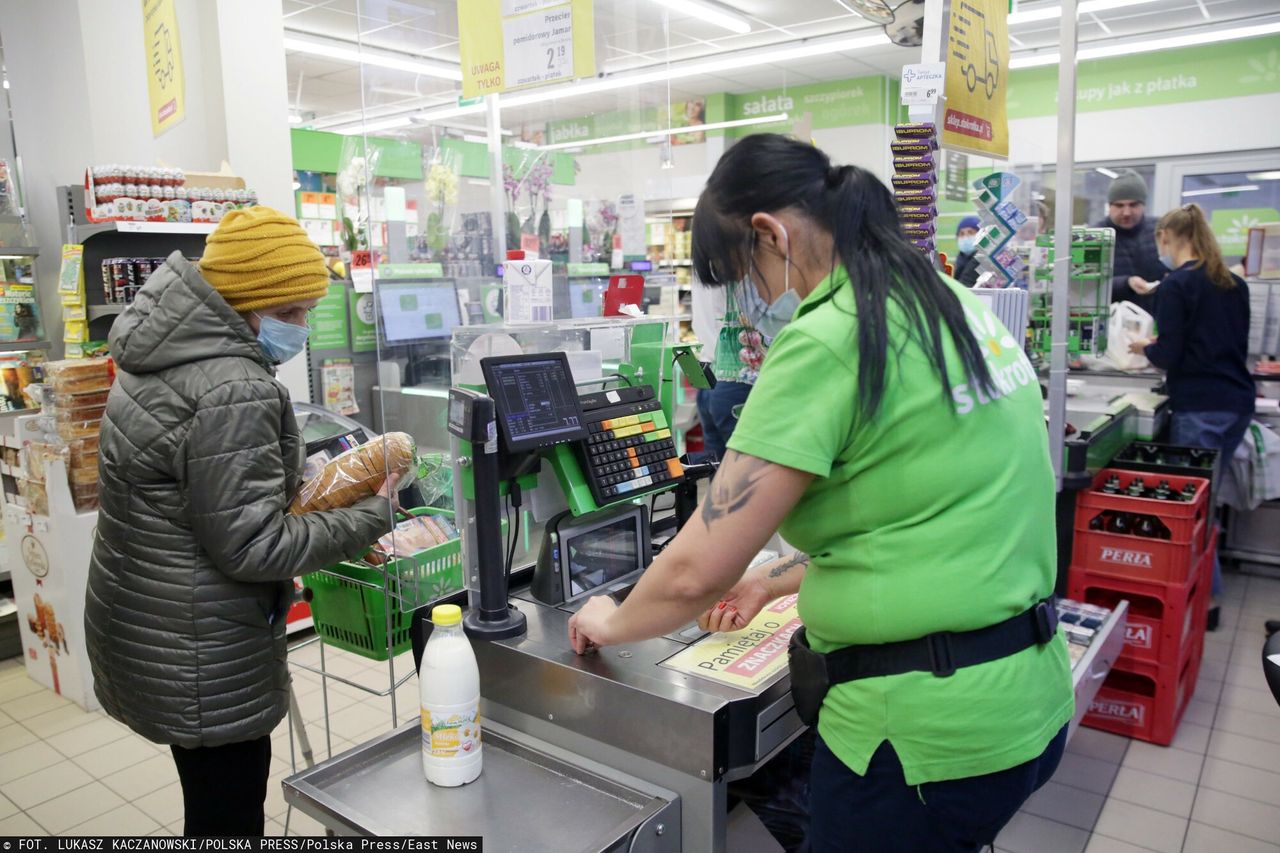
391 491
589 627
1141 286
737 607
1140 347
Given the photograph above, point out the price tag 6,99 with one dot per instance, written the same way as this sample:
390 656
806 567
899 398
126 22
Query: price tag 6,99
538 46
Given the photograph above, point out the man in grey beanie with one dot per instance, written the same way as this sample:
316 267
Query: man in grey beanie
1138 268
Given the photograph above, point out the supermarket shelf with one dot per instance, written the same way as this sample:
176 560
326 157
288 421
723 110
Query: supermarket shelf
19 252
22 346
83 232
99 311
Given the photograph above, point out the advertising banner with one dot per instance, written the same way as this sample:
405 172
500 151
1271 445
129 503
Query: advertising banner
974 119
165 84
749 658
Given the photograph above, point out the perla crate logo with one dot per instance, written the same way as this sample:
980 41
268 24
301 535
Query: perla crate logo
1124 557
1138 635
1129 713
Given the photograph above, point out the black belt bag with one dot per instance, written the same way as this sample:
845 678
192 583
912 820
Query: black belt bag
813 673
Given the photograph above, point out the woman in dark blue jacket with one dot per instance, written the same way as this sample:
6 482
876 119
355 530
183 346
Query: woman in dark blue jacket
1202 316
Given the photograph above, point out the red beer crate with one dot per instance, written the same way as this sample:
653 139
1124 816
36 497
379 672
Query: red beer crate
1164 619
1142 558
1143 700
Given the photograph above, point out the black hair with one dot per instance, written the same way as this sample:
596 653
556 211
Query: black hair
766 173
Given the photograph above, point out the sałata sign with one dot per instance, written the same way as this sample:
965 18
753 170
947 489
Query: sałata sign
748 658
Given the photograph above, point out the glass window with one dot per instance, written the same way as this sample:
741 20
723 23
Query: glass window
1234 201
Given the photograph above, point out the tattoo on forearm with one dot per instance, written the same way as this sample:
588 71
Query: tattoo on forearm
796 559
733 487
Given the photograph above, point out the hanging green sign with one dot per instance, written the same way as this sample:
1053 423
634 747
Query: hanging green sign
364 326
329 327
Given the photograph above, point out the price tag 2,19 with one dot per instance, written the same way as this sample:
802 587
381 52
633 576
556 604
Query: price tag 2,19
538 47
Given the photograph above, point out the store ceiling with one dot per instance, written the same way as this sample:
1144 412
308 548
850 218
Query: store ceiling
630 35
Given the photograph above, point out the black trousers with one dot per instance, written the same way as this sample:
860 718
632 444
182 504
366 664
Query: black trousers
881 813
224 787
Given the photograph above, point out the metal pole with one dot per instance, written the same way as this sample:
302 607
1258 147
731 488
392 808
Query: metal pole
497 194
1062 233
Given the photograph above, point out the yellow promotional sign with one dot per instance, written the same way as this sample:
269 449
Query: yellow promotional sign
165 83
748 658
974 118
515 44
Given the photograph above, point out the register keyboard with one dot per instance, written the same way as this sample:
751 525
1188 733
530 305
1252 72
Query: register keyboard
630 449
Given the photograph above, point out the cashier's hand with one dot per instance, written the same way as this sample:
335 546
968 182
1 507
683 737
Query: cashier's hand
1141 286
588 628
737 608
1140 347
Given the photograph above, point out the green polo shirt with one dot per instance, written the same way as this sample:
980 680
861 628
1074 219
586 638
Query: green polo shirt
924 519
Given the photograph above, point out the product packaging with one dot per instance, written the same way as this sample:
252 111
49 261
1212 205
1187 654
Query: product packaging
359 473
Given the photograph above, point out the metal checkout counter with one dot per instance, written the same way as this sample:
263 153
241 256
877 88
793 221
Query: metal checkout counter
631 748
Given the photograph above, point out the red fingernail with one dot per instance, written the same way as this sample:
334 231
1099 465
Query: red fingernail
734 609
720 606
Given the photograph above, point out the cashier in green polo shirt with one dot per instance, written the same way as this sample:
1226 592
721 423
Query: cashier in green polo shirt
896 435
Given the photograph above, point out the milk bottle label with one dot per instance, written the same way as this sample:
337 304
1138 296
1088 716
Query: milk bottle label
450 732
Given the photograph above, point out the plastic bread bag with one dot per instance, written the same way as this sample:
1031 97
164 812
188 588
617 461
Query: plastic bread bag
435 480
358 473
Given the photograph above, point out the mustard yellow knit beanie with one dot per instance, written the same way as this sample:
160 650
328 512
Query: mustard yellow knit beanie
258 258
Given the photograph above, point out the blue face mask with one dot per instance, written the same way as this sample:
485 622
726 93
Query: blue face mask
281 341
770 318
1168 262
967 244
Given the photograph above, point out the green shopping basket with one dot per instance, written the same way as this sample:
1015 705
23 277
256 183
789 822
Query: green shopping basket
349 608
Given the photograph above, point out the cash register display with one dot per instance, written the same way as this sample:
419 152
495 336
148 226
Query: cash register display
535 400
606 554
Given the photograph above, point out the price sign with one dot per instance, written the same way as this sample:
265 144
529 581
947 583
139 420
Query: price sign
922 83
362 270
538 46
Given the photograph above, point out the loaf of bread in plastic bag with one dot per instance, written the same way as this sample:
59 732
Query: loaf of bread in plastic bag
359 473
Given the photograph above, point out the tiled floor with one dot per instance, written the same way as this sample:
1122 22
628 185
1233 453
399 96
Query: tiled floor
1217 789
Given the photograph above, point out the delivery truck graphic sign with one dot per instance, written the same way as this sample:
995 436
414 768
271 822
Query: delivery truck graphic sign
974 118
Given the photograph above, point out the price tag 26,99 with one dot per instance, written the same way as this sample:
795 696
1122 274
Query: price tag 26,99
538 46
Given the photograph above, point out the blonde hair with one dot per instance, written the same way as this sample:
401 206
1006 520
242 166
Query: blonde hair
1188 223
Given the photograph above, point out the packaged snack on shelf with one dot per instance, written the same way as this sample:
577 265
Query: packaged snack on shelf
80 401
84 476
84 414
85 497
70 431
80 376
36 496
359 473
37 454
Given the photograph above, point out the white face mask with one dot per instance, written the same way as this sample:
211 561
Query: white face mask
769 319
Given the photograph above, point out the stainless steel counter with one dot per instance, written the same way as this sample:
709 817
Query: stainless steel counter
530 797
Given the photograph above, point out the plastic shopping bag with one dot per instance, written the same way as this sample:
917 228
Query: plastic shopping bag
1128 323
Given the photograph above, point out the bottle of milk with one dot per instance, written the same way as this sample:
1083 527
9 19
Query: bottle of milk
450 683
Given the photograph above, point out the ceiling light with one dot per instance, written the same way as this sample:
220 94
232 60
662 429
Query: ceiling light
712 13
661 135
363 55
1109 173
1263 176
1241 188
1049 13
294 118
1104 51
360 128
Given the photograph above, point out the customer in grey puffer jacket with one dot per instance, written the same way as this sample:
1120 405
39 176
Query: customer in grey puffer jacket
190 576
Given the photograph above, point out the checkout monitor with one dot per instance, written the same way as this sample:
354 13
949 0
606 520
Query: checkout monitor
535 400
595 554
417 310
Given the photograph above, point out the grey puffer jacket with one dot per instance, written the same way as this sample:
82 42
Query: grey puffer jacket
189 580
